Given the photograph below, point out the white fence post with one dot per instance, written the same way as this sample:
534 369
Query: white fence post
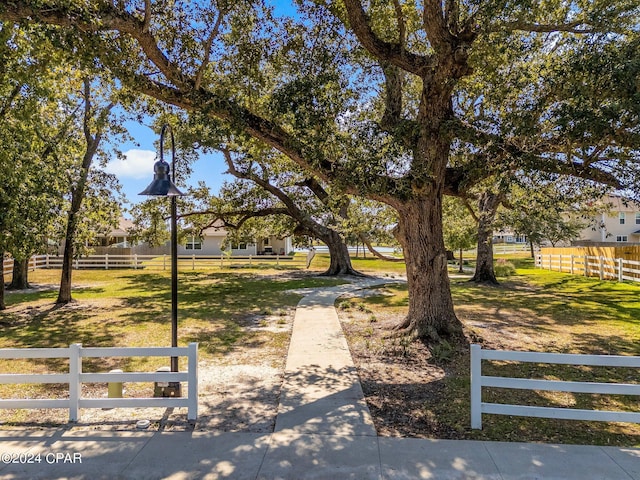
193 262
601 267
106 261
476 387
192 388
572 265
620 270
135 261
75 387
164 261
221 260
560 266
586 266
550 262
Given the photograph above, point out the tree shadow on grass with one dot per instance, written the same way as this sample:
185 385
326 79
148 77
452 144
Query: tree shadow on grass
440 408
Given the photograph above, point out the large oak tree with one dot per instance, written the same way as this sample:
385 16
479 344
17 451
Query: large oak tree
417 57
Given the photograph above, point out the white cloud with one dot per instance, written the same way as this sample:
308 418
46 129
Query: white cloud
138 164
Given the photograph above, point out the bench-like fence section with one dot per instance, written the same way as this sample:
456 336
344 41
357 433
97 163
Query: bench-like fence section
75 378
591 266
478 407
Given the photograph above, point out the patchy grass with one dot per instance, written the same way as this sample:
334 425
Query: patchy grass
412 393
227 312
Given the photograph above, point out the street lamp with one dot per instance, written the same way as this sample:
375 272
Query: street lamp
163 186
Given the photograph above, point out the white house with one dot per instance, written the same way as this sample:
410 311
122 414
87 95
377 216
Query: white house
508 236
213 238
619 222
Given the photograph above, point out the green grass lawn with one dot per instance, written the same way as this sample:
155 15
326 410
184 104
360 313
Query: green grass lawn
132 308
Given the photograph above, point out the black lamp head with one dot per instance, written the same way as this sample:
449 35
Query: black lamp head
162 186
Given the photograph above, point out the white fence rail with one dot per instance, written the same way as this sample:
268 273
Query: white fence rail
591 266
163 262
478 407
75 378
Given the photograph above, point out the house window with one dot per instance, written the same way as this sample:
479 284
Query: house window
266 241
239 246
637 218
194 244
622 217
621 238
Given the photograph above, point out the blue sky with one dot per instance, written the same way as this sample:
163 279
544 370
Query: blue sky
136 171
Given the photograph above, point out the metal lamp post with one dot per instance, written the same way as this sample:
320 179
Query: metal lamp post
163 186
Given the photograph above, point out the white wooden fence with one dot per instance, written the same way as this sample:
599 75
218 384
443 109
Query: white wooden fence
591 266
163 262
75 378
478 407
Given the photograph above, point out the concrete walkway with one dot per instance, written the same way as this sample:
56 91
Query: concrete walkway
323 431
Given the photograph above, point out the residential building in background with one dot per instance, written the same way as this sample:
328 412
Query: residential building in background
618 222
507 236
211 242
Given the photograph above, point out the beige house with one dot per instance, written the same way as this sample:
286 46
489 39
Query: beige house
211 242
619 222
119 236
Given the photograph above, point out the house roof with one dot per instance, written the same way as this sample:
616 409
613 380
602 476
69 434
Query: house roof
121 230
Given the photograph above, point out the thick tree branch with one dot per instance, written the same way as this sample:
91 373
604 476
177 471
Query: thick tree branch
364 239
393 98
181 92
146 24
435 27
470 209
452 15
109 18
290 205
393 53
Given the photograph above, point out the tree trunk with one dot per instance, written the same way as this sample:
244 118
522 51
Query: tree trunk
488 206
19 280
339 255
64 294
533 253
78 192
2 304
460 270
431 316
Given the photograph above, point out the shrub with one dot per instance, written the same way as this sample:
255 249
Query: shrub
504 269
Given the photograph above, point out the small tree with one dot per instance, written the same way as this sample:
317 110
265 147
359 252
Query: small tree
95 122
460 227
